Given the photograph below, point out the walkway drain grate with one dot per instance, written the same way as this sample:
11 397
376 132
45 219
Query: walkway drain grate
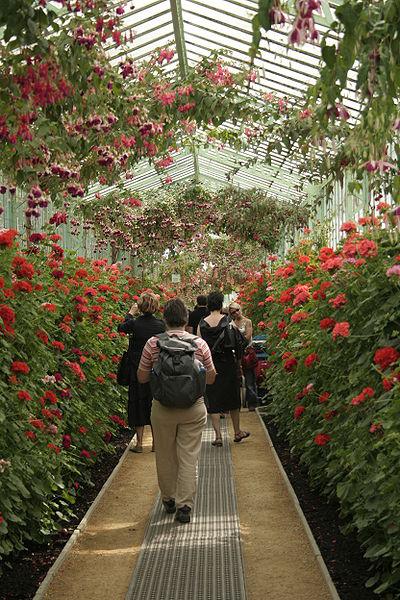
202 560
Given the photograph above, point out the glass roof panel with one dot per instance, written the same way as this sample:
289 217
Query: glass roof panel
285 71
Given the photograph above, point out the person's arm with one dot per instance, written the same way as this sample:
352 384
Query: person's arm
211 373
127 326
145 364
248 332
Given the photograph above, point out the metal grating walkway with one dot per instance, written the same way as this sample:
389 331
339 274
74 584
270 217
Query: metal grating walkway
201 560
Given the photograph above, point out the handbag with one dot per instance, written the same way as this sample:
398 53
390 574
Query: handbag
124 371
249 359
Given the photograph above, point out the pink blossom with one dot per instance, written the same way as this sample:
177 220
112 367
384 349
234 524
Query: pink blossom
393 271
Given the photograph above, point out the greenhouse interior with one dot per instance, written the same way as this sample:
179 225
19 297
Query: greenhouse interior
200 299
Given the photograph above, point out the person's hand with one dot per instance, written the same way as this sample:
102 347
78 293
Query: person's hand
134 309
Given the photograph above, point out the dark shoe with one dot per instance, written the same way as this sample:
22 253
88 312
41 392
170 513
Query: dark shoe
241 436
169 506
217 442
183 514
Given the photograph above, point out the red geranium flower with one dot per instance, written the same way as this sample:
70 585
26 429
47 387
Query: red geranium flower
299 316
50 396
321 439
20 367
327 323
384 357
58 345
338 301
24 395
367 248
49 306
66 441
7 237
290 364
31 435
298 411
22 286
311 359
324 397
325 253
85 454
55 448
341 330
42 335
7 314
38 424
22 268
348 226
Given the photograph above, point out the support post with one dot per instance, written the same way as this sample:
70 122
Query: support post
179 33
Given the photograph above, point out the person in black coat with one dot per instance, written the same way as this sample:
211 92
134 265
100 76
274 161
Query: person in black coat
140 329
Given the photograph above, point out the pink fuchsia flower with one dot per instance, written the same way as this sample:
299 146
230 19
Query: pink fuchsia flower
393 271
378 165
341 330
58 218
166 55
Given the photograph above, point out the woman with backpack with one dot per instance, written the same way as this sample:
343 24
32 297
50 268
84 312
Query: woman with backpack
224 395
249 360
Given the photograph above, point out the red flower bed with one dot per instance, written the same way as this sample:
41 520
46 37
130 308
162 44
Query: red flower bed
335 377
59 402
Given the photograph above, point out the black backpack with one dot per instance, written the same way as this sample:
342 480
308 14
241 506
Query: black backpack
178 379
231 339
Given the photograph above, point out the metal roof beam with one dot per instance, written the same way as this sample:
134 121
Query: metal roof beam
179 32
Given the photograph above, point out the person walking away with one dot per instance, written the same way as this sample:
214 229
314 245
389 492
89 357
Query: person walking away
224 395
177 430
140 329
249 359
199 312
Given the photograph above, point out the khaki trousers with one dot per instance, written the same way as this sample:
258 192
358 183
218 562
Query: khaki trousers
177 436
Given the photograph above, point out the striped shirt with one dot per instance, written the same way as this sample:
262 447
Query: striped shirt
151 351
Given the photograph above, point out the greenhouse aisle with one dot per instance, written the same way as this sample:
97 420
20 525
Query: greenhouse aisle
278 560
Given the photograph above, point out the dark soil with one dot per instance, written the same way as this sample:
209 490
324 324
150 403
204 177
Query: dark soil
23 573
342 554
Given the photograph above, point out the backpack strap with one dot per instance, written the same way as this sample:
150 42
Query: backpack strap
219 338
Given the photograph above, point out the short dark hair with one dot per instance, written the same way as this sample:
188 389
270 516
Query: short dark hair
175 313
201 300
215 301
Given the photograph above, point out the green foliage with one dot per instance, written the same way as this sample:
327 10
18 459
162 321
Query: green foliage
63 405
327 379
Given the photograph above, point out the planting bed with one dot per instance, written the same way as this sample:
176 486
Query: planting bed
342 553
24 573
